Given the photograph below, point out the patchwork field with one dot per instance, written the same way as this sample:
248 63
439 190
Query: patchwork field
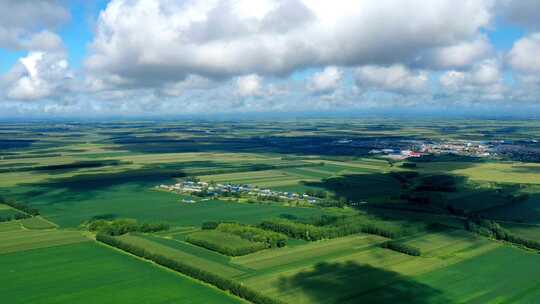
107 172
340 270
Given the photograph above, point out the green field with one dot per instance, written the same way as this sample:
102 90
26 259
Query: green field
20 240
78 172
87 272
176 253
70 208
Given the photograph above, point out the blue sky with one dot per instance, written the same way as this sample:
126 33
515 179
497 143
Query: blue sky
155 56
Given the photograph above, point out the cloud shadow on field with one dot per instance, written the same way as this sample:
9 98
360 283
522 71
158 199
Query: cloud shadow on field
354 283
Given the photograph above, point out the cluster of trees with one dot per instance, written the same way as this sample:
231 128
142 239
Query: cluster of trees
372 229
329 202
296 230
220 282
400 247
492 229
254 234
310 232
123 226
21 207
226 249
209 225
12 217
317 193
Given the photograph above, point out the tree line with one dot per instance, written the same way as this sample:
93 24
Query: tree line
14 217
19 206
310 232
230 250
220 282
123 226
401 247
492 229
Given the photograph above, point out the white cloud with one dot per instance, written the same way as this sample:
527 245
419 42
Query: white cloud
155 41
43 41
483 81
520 12
524 55
460 55
395 78
179 88
249 85
36 76
326 81
25 24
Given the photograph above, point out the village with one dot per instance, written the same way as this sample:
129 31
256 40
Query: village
206 190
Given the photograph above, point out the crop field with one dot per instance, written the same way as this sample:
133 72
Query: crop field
503 172
80 174
7 211
10 226
186 257
503 275
20 240
528 231
89 271
71 207
37 222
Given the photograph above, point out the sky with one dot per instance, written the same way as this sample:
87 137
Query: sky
79 58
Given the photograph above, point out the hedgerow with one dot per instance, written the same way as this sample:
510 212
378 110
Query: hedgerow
226 249
123 226
400 247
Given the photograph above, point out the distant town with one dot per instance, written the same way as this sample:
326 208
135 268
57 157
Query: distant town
466 148
403 149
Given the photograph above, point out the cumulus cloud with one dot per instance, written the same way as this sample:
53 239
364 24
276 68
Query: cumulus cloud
36 76
326 81
249 85
520 12
27 24
154 41
483 81
395 79
229 55
179 88
460 55
524 54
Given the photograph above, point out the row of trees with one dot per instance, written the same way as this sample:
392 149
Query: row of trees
13 217
226 249
254 234
123 226
21 207
310 232
220 282
492 229
400 247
